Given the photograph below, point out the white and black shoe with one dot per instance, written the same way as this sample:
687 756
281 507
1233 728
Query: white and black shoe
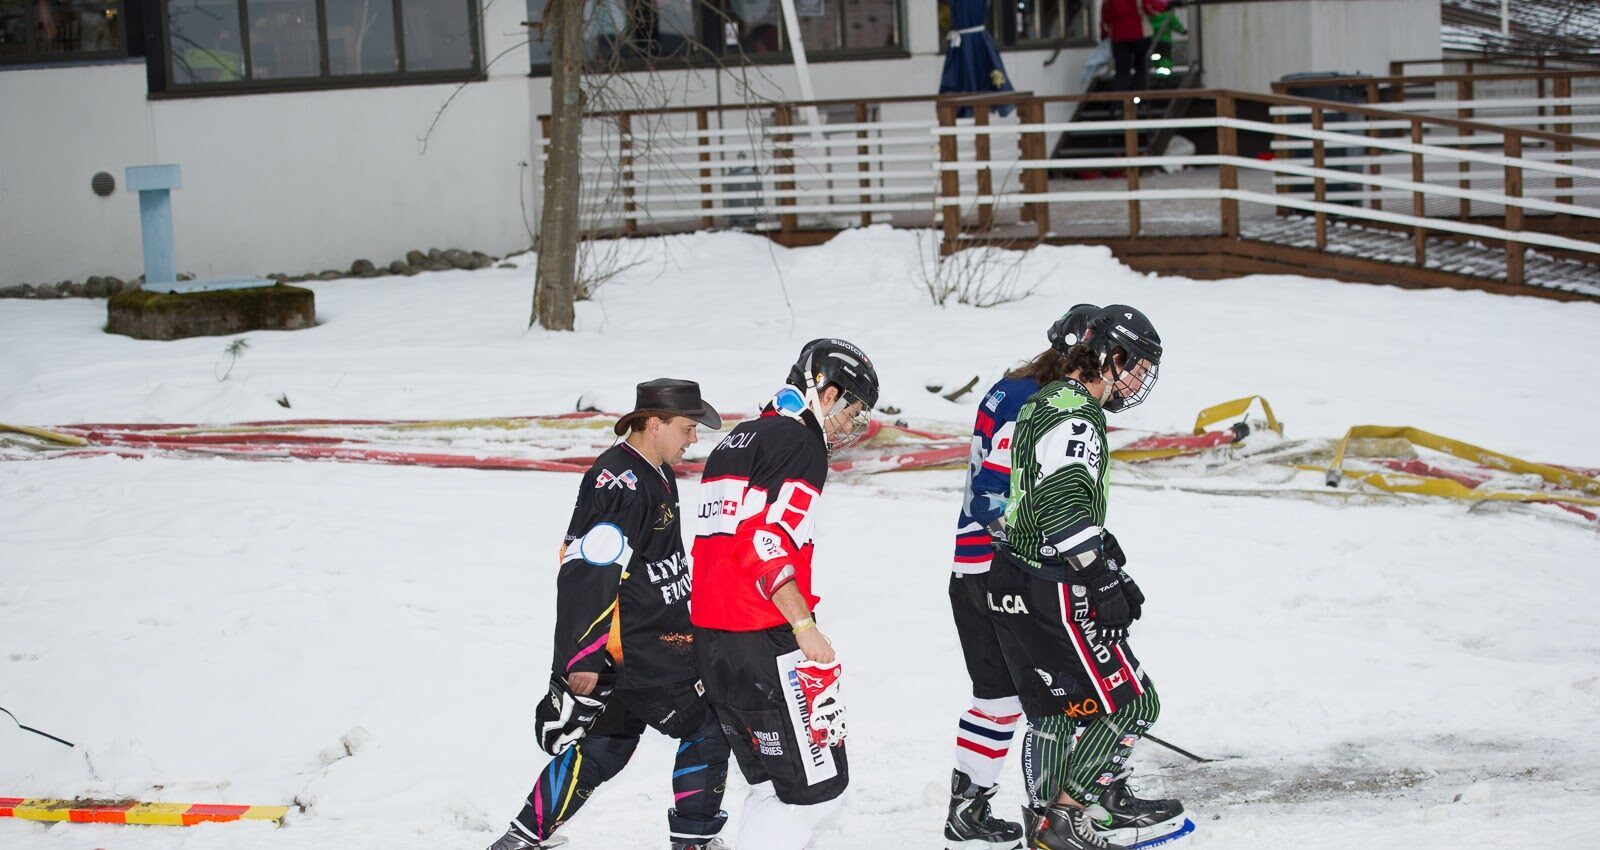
1069 828
514 839
971 825
1127 819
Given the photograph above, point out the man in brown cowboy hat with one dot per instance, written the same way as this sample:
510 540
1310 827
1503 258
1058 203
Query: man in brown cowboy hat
623 645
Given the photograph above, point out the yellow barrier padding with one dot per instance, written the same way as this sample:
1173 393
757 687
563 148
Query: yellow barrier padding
52 436
1445 488
1232 409
1467 452
156 814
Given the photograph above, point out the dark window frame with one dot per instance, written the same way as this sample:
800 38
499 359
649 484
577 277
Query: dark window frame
33 58
712 35
997 29
162 87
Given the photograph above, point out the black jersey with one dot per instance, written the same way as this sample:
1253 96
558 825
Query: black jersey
622 594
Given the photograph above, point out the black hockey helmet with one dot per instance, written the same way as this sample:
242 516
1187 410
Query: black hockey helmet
1068 330
1129 346
834 362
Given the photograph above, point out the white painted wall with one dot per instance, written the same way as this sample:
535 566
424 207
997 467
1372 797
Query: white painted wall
291 182
1250 45
300 182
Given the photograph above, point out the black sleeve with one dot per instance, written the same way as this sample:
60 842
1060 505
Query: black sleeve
600 548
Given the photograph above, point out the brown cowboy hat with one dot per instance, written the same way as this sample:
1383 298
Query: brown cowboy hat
669 397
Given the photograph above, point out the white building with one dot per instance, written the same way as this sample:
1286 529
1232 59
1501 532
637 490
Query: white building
311 134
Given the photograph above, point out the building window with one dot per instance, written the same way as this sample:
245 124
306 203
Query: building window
61 30
1033 23
226 46
636 33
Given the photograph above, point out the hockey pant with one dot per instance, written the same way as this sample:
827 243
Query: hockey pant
985 731
699 774
1052 763
769 823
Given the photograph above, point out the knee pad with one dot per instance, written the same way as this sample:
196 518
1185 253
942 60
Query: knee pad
604 756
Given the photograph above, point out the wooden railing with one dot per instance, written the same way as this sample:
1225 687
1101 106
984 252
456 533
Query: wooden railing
916 161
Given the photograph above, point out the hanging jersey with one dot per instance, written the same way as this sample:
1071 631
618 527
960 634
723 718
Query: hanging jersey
758 497
622 592
989 472
1059 481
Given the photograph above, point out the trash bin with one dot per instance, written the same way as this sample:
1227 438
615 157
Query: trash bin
1307 86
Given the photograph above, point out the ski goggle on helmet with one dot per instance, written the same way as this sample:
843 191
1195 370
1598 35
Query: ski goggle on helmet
827 363
1127 343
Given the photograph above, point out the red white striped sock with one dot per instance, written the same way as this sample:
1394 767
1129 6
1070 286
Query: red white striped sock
983 737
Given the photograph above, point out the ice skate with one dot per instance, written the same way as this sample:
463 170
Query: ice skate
1137 823
970 825
515 840
1069 828
708 844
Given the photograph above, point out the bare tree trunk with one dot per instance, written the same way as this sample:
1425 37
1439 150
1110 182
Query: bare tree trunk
555 286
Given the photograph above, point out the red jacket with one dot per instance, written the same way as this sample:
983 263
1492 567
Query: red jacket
1128 20
757 498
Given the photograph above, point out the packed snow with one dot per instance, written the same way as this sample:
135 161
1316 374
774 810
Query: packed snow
368 642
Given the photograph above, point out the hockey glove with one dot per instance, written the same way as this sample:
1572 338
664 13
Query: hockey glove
824 704
1134 595
1109 606
1111 550
563 716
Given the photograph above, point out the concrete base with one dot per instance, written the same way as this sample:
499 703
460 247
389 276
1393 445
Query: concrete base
156 315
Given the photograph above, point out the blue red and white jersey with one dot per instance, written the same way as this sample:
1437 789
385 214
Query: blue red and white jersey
989 472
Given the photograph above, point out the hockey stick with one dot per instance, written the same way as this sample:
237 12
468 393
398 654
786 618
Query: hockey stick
1177 749
36 731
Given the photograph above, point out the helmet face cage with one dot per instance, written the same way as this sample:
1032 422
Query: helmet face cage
846 421
1132 377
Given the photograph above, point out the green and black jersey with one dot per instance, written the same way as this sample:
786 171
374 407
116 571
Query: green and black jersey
1059 481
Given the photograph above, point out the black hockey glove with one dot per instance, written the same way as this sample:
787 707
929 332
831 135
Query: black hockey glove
563 716
1134 595
1111 550
1108 605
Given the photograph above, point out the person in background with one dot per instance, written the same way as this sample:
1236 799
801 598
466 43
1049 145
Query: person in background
1127 24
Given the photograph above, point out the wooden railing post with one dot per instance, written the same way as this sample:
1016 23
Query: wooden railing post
1277 188
980 147
1373 169
1464 93
1130 149
1513 214
787 222
1419 202
1228 174
630 223
702 123
1319 185
863 167
1035 179
949 182
1563 89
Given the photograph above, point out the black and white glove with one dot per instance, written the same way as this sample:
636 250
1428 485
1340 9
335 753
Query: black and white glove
1117 560
1108 606
563 716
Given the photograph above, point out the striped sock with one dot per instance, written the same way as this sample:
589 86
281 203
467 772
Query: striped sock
983 737
1103 748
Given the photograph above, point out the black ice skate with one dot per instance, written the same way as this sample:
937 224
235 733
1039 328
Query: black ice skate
707 844
515 840
1069 828
1124 818
970 825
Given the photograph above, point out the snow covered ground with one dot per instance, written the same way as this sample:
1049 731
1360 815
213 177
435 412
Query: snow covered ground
1380 676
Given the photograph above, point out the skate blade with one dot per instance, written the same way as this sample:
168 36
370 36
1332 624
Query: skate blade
980 844
1159 834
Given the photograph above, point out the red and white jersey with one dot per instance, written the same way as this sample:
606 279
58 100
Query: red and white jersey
756 514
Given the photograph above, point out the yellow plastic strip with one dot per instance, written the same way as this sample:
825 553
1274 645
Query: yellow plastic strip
157 814
52 436
42 810
1232 409
1445 488
268 813
1468 452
